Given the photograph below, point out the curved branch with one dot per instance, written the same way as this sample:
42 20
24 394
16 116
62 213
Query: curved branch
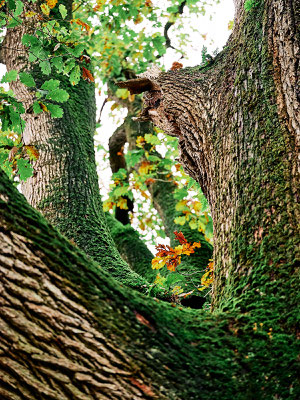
169 24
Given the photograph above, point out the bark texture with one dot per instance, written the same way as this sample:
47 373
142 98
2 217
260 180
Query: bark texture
64 186
69 331
237 121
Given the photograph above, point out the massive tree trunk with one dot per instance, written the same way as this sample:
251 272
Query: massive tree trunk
64 186
237 121
69 331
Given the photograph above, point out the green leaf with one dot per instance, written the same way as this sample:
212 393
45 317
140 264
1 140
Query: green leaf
153 158
120 191
55 110
11 4
77 51
180 194
69 65
133 157
59 95
9 76
45 67
63 11
19 8
30 40
52 84
193 224
32 57
158 43
27 79
25 170
37 108
209 229
152 139
180 220
75 75
13 22
17 124
58 63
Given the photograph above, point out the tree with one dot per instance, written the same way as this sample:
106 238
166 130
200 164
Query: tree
69 331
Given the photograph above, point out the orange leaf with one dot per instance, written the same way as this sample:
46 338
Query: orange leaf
32 152
180 237
144 168
176 65
51 3
86 74
149 180
144 388
144 321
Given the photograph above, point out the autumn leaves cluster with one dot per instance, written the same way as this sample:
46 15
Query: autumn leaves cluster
171 258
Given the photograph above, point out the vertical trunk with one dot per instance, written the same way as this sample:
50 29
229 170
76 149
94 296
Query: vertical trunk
64 186
240 144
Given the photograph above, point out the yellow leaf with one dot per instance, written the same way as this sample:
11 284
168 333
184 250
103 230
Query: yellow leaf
108 205
197 206
177 290
159 280
158 262
140 141
144 168
45 9
180 220
51 3
122 203
181 205
114 106
30 14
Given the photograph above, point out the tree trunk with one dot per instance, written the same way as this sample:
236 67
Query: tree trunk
239 142
69 331
64 186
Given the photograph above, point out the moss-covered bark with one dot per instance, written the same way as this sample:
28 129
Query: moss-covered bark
240 144
132 249
69 331
64 186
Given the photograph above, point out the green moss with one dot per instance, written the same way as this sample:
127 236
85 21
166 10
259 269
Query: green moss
185 354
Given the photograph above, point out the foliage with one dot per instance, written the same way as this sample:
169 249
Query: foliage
250 4
171 258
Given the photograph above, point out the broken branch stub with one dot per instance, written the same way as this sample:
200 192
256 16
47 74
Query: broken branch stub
136 86
153 107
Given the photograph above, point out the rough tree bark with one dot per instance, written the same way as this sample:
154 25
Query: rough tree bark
64 186
70 332
237 120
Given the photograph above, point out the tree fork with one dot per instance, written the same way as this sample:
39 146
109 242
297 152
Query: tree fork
234 140
60 312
